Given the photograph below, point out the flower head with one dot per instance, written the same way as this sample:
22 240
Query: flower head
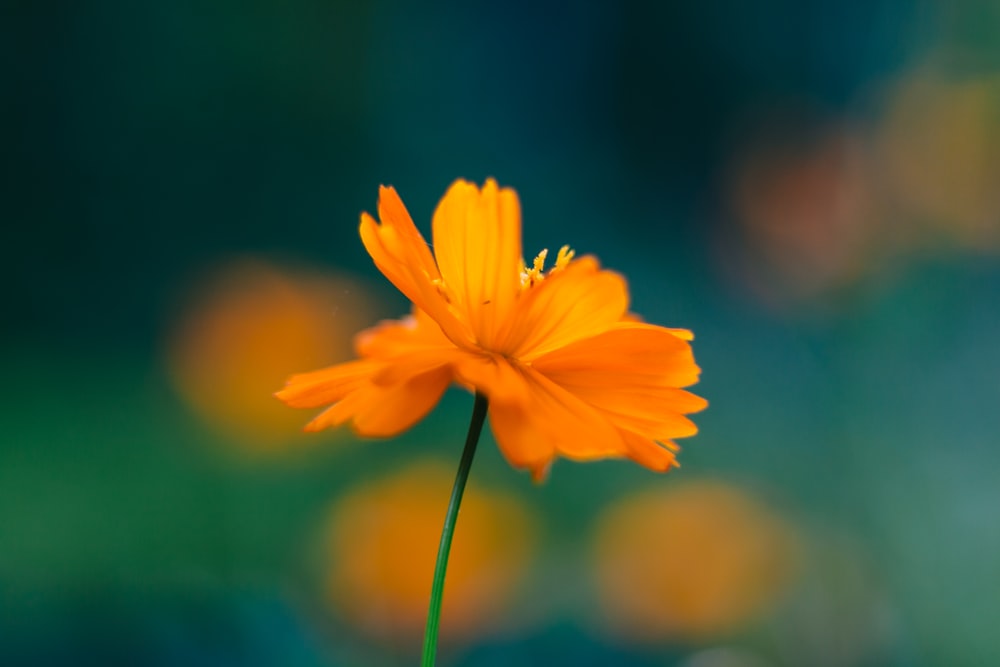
567 369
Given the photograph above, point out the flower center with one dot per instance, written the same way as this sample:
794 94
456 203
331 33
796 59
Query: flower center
536 274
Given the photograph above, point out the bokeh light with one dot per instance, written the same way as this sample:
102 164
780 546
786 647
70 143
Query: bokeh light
382 544
801 197
939 145
689 561
246 328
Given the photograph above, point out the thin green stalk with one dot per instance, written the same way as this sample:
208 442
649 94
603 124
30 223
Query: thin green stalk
437 589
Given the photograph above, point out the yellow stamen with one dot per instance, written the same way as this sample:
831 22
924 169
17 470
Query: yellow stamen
535 274
563 258
539 264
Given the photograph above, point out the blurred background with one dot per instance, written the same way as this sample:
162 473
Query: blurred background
812 187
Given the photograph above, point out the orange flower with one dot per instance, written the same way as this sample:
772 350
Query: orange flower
243 329
567 369
382 539
695 561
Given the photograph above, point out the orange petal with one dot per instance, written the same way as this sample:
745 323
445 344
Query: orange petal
396 244
402 255
683 334
385 411
579 301
654 417
477 243
402 368
518 438
341 411
646 452
392 338
656 413
493 376
392 410
628 375
409 347
392 212
327 385
629 354
552 421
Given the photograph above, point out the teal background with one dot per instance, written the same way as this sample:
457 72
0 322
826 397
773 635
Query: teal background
144 143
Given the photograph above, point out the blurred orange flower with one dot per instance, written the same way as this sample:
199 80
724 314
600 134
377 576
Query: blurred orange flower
804 206
691 562
567 370
382 541
238 334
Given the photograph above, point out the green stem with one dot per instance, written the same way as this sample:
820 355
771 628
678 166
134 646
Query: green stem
437 589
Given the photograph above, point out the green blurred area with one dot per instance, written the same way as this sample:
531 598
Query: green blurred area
810 187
